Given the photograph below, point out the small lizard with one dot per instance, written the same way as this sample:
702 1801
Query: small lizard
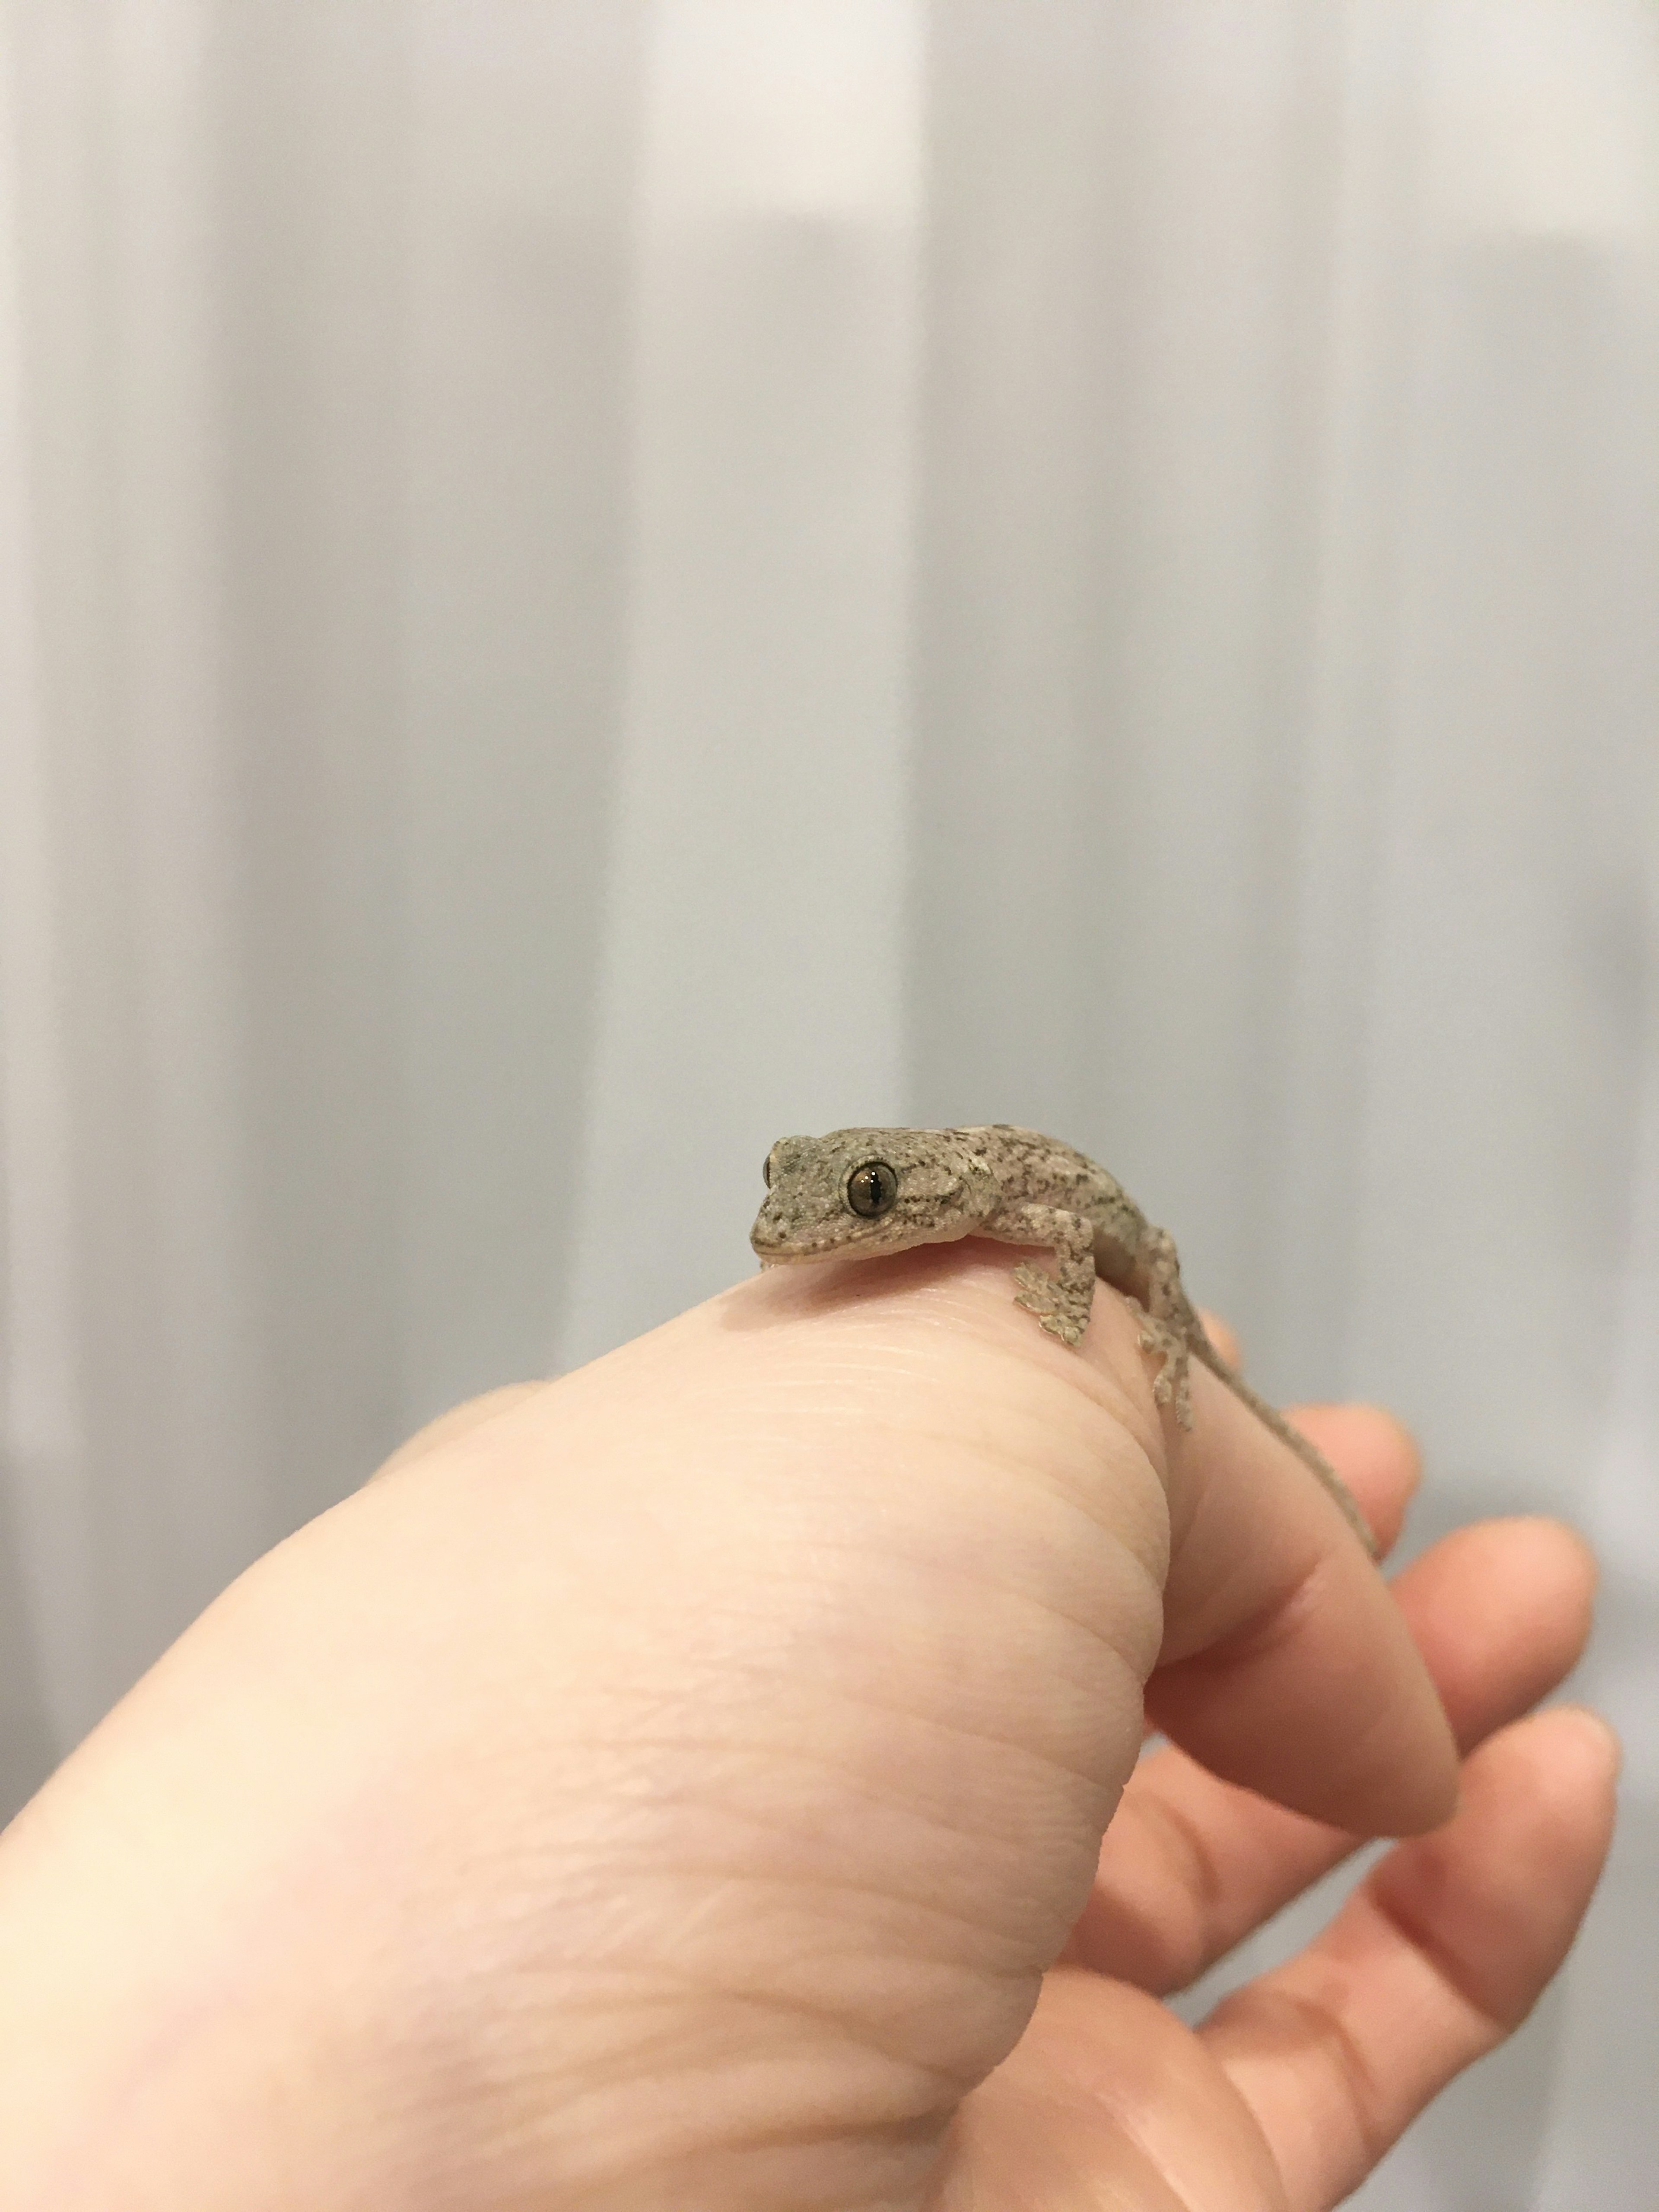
858 1192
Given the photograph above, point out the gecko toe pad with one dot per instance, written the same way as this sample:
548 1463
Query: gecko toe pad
1040 1294
1170 1385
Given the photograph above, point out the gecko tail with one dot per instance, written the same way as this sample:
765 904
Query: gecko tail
1311 1457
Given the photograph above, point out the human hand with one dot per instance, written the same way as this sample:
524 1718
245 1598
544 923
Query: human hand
675 1786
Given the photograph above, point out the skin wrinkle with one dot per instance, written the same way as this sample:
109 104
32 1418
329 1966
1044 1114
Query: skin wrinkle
926 1556
1152 1527
578 2119
768 1758
1112 1376
854 2023
898 2083
1210 1929
1443 1963
806 2133
1136 1662
766 1748
1145 2188
963 1732
1324 2036
582 2126
1140 1604
1146 1541
1125 1406
1112 1381
671 1704
981 1840
726 1668
648 1859
1197 1898
721 2170
827 1886
908 2090
1264 1634
700 1979
1118 2099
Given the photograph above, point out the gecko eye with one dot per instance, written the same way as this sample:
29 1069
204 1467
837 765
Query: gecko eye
871 1188
766 1171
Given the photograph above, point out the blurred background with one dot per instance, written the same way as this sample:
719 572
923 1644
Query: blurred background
584 583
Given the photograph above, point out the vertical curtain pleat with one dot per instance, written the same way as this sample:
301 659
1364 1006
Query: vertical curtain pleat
752 978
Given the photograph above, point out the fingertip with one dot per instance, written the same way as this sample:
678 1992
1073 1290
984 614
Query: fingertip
1508 1880
1224 1336
1555 1546
1501 1612
1376 1436
1418 1788
1586 1738
1552 1571
1377 1456
1551 1779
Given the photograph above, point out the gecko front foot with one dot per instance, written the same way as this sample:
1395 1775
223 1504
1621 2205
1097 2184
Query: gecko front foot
1170 1385
1040 1294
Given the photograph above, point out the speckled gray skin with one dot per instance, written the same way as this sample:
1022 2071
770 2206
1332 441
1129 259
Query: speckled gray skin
1021 1188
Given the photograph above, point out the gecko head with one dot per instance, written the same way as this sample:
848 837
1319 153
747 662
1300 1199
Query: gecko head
859 1192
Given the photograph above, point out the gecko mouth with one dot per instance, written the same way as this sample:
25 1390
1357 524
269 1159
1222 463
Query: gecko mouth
781 1255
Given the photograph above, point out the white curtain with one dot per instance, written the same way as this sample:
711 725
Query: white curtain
586 582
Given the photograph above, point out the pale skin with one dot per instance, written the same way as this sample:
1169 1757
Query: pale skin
683 1785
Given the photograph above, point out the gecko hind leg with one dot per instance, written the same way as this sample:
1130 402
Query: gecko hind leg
1171 1385
1167 1324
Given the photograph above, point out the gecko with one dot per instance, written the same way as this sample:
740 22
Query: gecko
858 1192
